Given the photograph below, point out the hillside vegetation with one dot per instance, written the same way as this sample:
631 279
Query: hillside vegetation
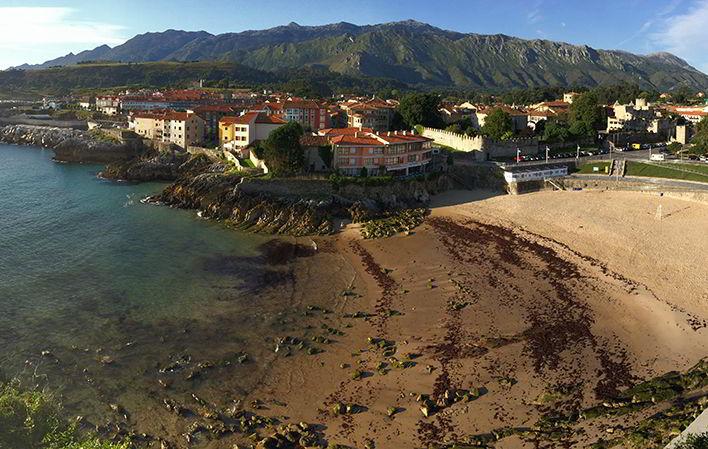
410 52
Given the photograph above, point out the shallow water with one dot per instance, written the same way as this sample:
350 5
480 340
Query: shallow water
92 275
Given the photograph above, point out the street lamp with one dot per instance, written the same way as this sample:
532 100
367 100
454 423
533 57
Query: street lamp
547 150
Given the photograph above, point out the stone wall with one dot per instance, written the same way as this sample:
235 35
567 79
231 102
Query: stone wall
482 147
459 142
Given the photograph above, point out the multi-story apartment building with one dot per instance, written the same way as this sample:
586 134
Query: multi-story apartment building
519 119
242 131
392 153
692 114
212 114
308 113
179 128
638 116
375 114
109 105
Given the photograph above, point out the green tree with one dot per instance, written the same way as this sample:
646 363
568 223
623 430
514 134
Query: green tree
556 132
700 138
283 153
586 115
674 147
497 124
454 128
421 109
698 441
682 94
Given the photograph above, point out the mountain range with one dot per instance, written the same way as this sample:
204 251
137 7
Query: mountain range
411 52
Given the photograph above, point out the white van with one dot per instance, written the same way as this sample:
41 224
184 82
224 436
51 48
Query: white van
658 157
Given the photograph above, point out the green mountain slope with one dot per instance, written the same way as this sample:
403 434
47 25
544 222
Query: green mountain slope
414 53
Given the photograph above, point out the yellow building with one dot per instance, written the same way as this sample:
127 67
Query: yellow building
242 131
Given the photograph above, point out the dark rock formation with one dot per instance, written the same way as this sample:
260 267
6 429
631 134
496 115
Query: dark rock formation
217 195
71 145
161 167
286 206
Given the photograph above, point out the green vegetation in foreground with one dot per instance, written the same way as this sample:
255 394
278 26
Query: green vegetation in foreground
663 171
694 442
588 169
31 419
681 398
402 221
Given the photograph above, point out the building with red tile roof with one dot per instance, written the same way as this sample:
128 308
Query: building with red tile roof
375 114
179 128
242 131
391 153
308 113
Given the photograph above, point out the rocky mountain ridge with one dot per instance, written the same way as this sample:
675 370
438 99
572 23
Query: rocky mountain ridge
412 52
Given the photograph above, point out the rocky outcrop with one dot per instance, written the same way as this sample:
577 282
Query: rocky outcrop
161 166
396 195
218 197
71 145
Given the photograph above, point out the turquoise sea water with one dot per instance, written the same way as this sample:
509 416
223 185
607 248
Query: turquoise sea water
87 271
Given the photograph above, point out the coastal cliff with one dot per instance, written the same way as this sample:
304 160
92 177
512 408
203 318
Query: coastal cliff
71 145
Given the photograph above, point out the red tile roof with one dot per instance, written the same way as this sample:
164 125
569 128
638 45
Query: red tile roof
355 140
381 139
253 117
343 131
270 119
314 141
301 104
216 108
164 115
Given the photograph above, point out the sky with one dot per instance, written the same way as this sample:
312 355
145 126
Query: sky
35 31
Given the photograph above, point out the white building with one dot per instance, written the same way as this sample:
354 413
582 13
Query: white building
534 173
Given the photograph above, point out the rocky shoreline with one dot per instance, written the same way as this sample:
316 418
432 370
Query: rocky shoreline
293 207
71 145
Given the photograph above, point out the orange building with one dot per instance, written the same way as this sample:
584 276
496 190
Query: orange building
392 153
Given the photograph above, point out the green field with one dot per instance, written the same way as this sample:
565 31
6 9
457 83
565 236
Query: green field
669 171
702 168
603 168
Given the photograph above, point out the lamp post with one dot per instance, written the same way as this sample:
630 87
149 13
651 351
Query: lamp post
547 151
518 155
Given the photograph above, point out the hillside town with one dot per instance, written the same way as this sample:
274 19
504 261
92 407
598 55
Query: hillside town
355 135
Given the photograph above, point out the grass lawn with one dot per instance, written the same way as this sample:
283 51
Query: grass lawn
663 171
603 168
248 163
702 167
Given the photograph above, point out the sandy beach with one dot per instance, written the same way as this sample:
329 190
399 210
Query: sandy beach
521 305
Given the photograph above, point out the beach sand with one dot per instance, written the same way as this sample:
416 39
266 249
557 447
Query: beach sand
550 301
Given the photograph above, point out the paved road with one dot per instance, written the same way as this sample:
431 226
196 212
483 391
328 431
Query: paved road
629 155
658 182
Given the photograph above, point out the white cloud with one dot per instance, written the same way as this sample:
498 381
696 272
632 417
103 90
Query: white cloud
686 35
33 33
52 25
643 29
